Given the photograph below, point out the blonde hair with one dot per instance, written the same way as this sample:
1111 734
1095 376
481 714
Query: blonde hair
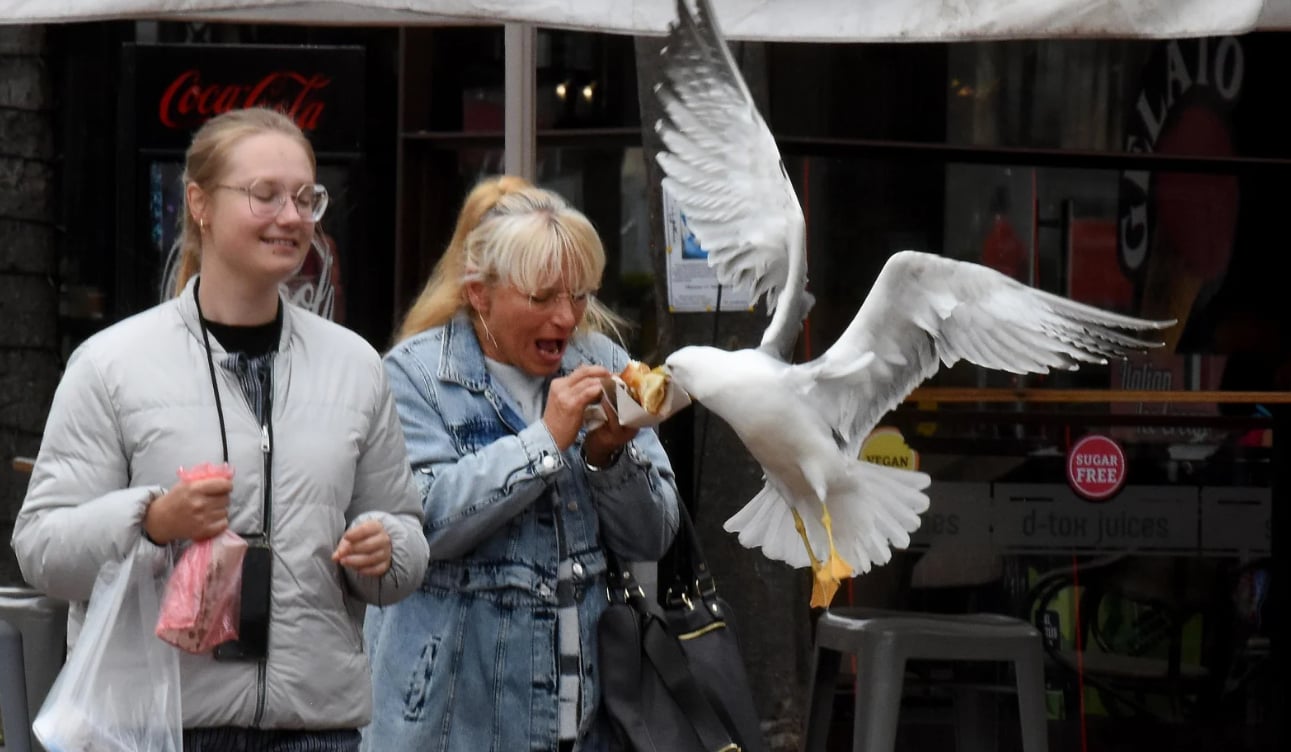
207 161
512 232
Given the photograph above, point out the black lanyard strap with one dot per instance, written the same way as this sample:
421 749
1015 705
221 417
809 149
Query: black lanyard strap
210 362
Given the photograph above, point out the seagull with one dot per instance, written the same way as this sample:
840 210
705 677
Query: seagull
822 505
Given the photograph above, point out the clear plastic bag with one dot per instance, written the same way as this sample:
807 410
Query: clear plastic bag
119 690
203 597
204 594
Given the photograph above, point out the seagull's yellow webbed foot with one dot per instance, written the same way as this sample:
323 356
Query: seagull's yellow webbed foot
826 575
834 569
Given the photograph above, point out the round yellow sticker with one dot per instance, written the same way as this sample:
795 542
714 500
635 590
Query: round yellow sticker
886 446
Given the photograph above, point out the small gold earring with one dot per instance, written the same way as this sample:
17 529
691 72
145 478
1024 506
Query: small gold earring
201 224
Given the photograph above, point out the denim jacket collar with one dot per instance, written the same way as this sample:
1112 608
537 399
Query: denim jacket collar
462 358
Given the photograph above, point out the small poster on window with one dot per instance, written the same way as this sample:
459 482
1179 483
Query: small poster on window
692 283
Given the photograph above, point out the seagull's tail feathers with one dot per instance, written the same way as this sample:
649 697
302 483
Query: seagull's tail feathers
767 522
876 513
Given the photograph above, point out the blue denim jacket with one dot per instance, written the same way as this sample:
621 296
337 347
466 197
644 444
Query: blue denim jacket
469 662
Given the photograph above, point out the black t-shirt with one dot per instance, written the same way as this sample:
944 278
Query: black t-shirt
248 340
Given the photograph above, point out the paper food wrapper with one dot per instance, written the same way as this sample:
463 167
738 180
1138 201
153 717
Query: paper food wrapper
630 412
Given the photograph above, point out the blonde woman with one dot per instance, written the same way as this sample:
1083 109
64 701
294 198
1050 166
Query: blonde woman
495 366
229 371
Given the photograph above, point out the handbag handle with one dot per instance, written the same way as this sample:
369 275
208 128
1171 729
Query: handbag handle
693 580
661 648
664 654
692 566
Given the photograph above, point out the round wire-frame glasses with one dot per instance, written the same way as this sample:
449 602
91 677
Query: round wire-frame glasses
547 300
267 198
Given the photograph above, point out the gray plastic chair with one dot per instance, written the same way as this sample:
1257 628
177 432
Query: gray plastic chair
13 691
33 643
883 641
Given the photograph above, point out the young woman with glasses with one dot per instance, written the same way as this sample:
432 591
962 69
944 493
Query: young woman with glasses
495 367
227 371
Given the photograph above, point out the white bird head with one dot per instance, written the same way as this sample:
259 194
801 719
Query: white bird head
687 366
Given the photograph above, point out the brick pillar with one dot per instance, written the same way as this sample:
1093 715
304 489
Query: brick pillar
29 349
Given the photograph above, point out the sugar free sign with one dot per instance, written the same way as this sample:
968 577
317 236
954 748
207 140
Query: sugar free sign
1096 467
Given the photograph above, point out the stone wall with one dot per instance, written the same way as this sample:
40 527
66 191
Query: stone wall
29 350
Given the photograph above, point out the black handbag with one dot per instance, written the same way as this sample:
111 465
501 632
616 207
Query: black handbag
672 678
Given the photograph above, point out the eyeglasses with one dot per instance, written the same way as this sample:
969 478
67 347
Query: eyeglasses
549 300
267 198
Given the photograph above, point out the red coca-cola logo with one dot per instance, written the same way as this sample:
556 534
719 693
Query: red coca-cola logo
188 101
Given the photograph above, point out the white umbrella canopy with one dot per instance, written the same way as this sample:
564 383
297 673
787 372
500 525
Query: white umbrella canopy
769 20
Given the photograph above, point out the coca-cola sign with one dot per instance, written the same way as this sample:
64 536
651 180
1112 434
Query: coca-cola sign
178 87
189 100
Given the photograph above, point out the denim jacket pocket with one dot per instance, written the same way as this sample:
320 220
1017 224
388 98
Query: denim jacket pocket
417 694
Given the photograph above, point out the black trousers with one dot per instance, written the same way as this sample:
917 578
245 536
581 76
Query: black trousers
232 739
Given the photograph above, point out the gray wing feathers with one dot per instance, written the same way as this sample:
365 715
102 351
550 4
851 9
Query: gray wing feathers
925 310
695 43
723 170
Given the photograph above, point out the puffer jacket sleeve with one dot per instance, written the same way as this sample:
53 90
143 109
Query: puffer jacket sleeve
79 512
384 490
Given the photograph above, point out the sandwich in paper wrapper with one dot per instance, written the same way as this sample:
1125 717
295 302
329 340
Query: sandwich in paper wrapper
642 396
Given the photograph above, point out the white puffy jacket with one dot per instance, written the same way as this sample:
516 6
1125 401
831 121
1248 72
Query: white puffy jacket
136 403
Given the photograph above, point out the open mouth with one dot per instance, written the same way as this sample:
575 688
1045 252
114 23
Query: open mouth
551 348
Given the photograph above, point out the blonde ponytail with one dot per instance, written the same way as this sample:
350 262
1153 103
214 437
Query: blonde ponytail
443 294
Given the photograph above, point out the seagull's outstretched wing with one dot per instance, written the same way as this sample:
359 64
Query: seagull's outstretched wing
925 310
723 170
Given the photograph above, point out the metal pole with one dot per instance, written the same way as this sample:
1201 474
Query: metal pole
521 156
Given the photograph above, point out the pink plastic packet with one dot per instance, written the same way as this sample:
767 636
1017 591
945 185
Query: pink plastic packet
200 608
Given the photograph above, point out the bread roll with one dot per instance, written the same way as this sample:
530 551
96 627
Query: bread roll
648 386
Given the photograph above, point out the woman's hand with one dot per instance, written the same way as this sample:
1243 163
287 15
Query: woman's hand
602 445
194 510
365 548
568 397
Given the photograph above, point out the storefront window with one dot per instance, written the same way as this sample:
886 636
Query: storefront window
605 183
583 80
1045 94
1142 177
1153 602
588 137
